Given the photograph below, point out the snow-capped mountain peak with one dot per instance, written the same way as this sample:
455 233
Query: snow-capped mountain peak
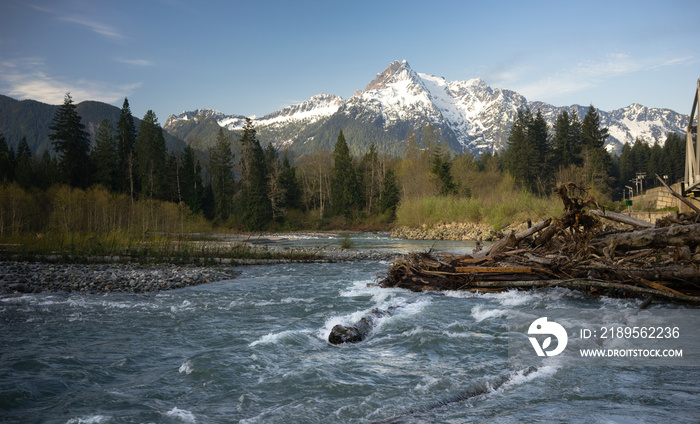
470 115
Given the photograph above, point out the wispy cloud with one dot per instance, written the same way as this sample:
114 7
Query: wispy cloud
89 23
25 78
135 62
94 26
591 73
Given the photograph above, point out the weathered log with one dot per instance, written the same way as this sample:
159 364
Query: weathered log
512 239
659 273
625 219
503 244
580 282
546 235
679 235
534 229
493 269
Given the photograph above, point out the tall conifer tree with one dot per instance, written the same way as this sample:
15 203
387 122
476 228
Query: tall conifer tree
345 191
71 142
191 187
254 207
6 165
390 194
221 171
151 157
104 156
126 142
290 186
596 160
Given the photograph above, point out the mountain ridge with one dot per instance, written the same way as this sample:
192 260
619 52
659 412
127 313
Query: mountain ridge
31 119
470 115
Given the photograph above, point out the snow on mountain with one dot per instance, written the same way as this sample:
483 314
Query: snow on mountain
222 119
636 121
471 111
317 107
470 114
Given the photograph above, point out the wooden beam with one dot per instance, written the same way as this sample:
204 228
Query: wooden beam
494 269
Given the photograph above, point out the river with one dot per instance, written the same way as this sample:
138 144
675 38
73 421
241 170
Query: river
254 350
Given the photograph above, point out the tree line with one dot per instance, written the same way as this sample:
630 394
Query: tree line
254 192
573 150
261 190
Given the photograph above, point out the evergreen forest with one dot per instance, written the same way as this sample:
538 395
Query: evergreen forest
128 181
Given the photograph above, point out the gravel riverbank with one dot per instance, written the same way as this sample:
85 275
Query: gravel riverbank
35 277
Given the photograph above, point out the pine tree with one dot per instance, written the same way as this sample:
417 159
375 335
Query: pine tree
596 160
674 151
6 165
126 142
440 165
540 166
516 157
345 193
273 167
290 186
254 206
46 172
71 143
104 156
370 170
592 135
221 171
566 147
150 152
24 166
626 167
191 180
390 194
171 175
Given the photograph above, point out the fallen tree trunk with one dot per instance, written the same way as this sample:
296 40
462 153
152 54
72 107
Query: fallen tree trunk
679 235
624 219
532 230
586 283
666 273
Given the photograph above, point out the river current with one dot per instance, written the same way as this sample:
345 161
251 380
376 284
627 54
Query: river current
254 350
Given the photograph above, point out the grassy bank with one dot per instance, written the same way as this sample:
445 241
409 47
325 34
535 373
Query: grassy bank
498 210
144 248
76 225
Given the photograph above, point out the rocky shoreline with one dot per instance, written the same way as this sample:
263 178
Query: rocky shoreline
115 275
35 277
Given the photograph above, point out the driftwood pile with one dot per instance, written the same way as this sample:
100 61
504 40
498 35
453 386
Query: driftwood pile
577 250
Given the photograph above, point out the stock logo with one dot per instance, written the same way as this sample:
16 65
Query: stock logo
541 326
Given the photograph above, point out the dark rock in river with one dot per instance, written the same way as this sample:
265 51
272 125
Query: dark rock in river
361 329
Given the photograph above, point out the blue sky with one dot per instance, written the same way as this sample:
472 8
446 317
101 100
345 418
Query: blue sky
254 57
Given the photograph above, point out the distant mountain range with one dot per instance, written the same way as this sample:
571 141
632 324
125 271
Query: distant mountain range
469 114
31 119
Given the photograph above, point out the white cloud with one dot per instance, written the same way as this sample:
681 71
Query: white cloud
24 79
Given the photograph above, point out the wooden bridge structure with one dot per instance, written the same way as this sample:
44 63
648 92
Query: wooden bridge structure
691 182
